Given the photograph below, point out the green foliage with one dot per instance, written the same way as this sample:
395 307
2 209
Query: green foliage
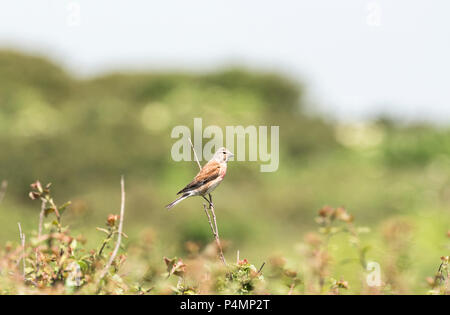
57 262
416 146
84 133
58 119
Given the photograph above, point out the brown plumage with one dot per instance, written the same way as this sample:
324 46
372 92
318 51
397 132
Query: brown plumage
208 173
207 179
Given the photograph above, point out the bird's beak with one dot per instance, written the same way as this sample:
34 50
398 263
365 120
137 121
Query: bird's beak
231 154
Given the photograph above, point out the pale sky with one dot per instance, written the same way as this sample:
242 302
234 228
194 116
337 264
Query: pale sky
356 57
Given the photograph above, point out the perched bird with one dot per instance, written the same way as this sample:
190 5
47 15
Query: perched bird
207 179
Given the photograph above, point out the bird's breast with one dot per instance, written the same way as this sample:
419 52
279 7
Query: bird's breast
223 170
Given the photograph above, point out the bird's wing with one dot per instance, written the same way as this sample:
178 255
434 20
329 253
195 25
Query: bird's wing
208 173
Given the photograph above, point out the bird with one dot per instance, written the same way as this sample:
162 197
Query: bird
209 177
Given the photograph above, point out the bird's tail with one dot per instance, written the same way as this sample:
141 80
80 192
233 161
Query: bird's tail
179 199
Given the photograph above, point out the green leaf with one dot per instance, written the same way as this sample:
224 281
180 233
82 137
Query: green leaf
83 266
49 210
64 206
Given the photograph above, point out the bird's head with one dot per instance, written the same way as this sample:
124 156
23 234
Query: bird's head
222 155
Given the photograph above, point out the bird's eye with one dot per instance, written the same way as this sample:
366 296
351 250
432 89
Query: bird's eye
224 153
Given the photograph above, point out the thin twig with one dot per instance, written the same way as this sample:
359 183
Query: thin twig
215 231
41 221
119 231
106 241
216 235
58 215
22 241
41 217
209 219
261 268
3 188
195 155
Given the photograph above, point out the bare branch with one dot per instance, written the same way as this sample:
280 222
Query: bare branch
119 231
195 154
3 188
214 231
22 241
262 266
216 235
209 219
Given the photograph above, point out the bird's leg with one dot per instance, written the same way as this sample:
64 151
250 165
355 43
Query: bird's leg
209 202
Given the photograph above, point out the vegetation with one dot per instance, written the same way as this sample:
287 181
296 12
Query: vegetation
82 134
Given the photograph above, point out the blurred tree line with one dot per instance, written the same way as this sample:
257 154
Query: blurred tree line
84 133
68 130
